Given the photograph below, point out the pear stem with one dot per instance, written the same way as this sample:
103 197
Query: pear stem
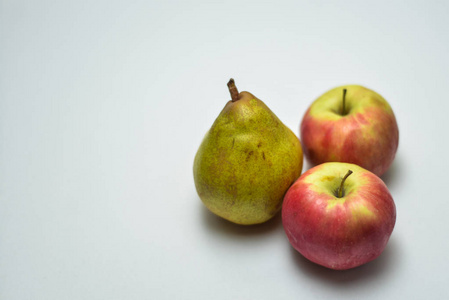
340 190
233 90
343 111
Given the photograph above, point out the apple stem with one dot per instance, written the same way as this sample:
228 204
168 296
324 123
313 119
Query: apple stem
340 190
343 111
233 90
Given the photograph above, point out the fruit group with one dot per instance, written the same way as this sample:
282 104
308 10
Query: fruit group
350 124
337 219
247 161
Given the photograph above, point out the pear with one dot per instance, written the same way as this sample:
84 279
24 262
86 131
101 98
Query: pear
247 161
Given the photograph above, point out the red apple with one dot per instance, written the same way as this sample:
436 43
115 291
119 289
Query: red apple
336 220
350 124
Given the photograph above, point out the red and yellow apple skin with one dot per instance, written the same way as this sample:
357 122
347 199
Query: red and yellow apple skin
338 233
366 134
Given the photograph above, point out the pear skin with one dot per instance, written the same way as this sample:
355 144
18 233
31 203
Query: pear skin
247 161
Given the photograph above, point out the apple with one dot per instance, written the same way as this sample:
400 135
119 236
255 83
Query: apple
339 215
350 124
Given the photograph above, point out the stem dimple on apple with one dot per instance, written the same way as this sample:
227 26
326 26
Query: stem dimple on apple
233 90
343 110
340 190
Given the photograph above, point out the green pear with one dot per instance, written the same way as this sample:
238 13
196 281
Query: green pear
247 161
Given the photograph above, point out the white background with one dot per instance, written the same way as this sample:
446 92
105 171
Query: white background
103 105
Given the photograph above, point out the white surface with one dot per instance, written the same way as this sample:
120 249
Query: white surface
103 105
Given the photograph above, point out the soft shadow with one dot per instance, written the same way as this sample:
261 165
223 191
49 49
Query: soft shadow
380 266
394 173
222 226
307 165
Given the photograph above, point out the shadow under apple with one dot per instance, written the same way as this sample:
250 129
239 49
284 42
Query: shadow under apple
394 174
382 265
